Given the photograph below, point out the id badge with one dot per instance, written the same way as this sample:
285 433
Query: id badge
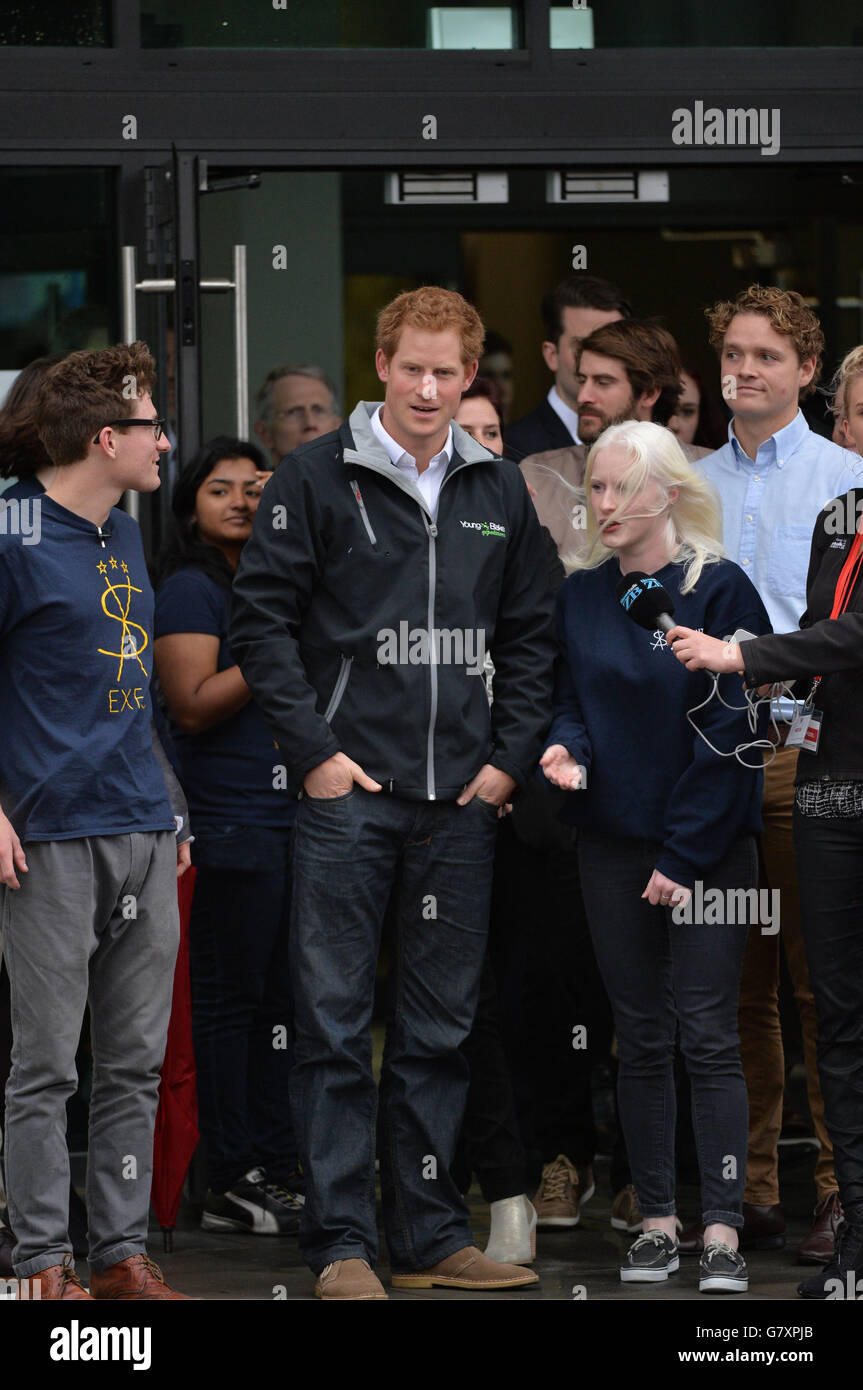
805 731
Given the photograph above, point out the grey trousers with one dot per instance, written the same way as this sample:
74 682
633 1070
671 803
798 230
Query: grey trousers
94 917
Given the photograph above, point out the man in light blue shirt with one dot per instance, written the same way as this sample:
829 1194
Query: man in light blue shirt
773 478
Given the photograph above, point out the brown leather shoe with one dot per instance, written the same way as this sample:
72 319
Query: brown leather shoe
353 1280
57 1282
135 1277
819 1247
562 1191
467 1269
763 1228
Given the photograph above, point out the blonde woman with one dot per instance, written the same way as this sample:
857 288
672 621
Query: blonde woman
661 813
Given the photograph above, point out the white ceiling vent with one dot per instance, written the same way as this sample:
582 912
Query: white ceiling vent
614 186
447 186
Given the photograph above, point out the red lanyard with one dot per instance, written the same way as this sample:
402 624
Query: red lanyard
844 587
848 577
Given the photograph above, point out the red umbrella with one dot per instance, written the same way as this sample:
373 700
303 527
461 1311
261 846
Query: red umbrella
176 1135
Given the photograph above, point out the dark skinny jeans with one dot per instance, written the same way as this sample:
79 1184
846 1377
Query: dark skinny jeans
659 975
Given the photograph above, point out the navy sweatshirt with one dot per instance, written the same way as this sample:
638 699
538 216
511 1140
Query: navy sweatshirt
620 708
76 653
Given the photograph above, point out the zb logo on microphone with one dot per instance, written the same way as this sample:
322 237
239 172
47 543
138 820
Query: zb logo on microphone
636 590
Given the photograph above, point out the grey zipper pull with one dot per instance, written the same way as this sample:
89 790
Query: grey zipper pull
355 489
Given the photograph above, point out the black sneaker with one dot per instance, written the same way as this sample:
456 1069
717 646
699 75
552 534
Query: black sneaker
650 1259
843 1276
291 1178
256 1205
722 1270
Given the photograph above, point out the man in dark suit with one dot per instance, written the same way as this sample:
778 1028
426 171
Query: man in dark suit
571 311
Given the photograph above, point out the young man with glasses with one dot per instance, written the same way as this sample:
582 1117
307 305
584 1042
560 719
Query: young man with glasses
92 832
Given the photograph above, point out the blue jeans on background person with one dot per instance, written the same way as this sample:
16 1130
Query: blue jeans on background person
242 1013
660 974
436 858
830 877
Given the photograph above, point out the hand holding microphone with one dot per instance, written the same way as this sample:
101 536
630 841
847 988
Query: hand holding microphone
698 652
649 604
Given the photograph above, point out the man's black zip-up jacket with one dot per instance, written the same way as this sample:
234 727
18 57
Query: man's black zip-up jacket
343 578
832 648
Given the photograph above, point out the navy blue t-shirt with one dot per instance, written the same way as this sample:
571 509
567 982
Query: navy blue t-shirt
621 699
76 654
24 487
232 773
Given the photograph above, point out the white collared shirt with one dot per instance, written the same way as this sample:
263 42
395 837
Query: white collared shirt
430 480
565 413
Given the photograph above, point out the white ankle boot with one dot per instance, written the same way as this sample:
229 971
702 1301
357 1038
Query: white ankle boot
512 1238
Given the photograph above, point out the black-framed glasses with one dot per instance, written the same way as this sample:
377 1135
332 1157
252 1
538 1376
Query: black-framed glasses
155 425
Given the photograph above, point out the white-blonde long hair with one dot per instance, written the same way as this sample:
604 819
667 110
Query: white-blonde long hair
693 527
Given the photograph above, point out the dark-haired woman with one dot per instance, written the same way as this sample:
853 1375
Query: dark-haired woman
22 453
242 1016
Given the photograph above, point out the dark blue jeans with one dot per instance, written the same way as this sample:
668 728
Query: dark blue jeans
350 854
660 975
242 1014
830 876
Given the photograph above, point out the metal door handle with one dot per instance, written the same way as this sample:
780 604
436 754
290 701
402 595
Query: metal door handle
132 285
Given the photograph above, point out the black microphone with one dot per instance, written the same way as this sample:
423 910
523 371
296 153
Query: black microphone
646 601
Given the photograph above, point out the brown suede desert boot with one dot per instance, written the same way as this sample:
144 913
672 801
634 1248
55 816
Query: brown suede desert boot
135 1277
57 1282
353 1280
467 1269
819 1246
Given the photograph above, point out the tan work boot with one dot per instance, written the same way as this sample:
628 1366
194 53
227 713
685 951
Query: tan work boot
625 1213
353 1280
561 1191
467 1269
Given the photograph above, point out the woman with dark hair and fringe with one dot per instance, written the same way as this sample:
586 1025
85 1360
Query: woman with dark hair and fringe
242 1016
699 418
22 453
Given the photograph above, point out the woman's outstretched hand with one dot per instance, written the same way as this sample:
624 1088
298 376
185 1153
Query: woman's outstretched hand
561 768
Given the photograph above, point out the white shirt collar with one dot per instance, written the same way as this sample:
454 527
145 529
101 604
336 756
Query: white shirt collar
564 412
399 456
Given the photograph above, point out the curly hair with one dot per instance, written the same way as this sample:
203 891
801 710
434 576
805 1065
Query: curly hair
87 389
787 313
435 310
